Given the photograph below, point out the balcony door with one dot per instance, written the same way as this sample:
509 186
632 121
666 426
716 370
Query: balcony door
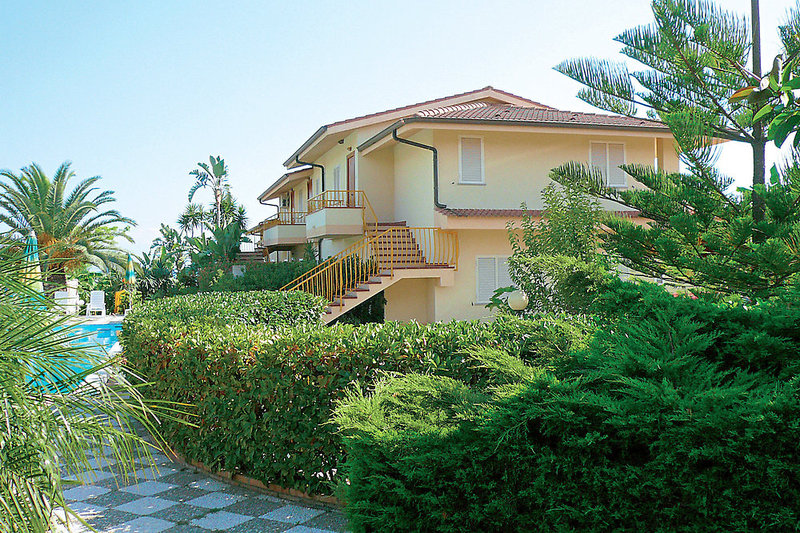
351 180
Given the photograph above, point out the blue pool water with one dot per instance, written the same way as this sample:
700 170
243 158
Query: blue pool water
97 335
101 340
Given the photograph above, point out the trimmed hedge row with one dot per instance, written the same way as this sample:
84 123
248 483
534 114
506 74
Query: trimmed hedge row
271 308
264 399
660 425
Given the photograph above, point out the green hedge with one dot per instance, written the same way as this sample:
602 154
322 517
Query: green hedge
264 399
252 307
263 276
660 425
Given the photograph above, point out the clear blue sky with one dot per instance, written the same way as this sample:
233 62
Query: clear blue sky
138 92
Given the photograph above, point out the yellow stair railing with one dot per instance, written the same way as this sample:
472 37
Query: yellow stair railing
344 199
337 278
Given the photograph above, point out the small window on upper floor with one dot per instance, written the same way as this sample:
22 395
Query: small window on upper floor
470 164
608 157
337 178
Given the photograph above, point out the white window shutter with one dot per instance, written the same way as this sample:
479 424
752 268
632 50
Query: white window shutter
503 277
337 178
486 273
471 160
599 159
616 157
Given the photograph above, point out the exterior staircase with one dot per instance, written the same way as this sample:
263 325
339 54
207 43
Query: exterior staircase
388 252
249 253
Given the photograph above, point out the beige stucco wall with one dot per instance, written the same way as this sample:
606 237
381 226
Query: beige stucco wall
413 190
410 299
375 174
517 164
458 302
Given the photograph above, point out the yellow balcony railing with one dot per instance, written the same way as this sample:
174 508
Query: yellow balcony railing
278 219
340 199
396 248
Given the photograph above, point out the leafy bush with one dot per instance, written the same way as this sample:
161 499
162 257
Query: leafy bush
659 425
264 398
263 276
253 307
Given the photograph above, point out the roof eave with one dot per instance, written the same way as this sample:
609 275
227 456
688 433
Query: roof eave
273 190
305 146
487 122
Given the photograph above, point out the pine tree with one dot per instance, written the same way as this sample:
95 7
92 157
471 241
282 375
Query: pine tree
700 232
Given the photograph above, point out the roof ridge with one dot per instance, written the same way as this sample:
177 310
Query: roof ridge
435 100
446 109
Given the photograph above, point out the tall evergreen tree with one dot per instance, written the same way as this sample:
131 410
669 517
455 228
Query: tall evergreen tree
695 56
700 232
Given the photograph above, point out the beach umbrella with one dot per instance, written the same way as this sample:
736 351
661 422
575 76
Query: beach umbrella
130 275
130 280
33 269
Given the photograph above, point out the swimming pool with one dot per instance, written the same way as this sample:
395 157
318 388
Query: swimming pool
101 341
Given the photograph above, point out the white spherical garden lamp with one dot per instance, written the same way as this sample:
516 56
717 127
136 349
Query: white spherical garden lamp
518 300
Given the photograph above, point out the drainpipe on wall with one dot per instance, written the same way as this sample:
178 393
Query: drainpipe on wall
435 165
297 160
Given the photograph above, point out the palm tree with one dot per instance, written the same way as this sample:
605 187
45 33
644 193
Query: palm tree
192 219
215 177
51 420
230 211
70 226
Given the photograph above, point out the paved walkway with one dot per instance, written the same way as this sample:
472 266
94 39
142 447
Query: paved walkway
179 499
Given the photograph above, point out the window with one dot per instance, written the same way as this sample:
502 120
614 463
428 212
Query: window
608 157
491 273
470 164
285 200
337 178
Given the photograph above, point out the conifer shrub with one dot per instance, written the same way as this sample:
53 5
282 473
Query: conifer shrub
662 424
263 398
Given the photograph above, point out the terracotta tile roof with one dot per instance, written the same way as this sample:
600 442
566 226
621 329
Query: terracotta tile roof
509 113
459 212
437 100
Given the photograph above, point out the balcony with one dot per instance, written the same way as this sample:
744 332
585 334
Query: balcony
338 213
282 231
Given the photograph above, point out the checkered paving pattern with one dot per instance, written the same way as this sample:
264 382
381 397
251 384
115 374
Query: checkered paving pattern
173 498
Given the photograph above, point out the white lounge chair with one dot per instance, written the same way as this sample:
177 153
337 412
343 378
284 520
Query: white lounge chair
97 303
67 301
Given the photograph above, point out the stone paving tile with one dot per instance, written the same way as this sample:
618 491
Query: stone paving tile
182 513
107 518
114 498
145 506
186 528
143 524
305 529
89 476
177 499
208 484
183 477
156 472
182 494
259 525
215 500
330 521
223 520
148 488
292 514
84 492
254 507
